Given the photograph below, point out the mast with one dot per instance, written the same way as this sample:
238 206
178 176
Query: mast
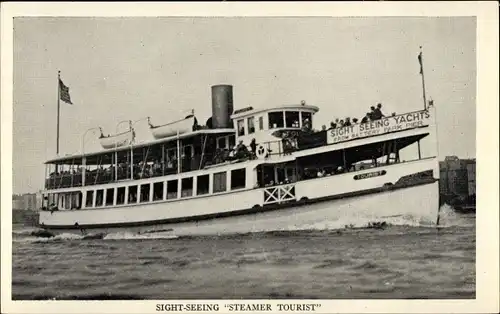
58 108
421 61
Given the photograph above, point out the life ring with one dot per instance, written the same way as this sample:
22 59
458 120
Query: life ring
261 152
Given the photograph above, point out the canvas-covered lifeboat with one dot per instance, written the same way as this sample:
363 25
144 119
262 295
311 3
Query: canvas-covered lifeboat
117 140
174 128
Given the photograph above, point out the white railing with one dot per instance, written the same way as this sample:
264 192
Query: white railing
279 194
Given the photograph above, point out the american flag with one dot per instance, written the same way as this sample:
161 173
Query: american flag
420 61
64 93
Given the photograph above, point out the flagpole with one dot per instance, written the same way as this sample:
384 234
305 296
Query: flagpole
423 79
58 108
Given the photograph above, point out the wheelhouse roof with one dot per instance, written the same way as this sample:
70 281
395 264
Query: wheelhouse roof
71 158
274 109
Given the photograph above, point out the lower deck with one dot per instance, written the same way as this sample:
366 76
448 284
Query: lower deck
152 211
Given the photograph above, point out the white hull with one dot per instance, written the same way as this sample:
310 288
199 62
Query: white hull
346 206
418 204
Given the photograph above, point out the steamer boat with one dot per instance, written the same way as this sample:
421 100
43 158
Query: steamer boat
190 180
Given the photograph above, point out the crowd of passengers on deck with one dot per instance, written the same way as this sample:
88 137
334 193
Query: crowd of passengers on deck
374 114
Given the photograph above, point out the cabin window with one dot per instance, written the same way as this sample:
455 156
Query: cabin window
78 200
132 194
306 116
120 195
172 187
187 151
202 184
221 142
220 182
158 191
99 198
145 188
238 179
275 120
187 187
241 127
232 141
292 119
110 193
90 199
261 123
251 125
67 201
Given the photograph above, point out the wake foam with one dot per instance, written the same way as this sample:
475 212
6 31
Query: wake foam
135 236
448 218
88 237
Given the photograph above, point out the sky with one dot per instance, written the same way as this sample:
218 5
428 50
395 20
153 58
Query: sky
128 68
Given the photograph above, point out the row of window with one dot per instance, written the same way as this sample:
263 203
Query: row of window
280 119
166 190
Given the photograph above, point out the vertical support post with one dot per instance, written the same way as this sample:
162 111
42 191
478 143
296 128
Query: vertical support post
178 153
419 154
131 162
162 159
116 166
84 170
344 159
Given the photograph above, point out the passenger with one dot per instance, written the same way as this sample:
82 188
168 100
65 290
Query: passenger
306 125
355 120
253 146
378 112
341 123
332 125
232 153
323 127
320 173
241 148
366 118
372 113
347 121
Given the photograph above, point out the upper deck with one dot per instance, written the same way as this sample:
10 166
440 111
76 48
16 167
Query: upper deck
280 130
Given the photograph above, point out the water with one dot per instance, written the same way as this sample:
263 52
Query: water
404 260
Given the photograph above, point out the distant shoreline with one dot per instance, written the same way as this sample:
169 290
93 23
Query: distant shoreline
25 217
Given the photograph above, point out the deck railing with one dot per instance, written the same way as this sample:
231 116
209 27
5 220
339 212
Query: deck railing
279 194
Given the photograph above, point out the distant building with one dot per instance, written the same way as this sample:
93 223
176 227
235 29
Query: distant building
457 176
471 177
17 202
28 201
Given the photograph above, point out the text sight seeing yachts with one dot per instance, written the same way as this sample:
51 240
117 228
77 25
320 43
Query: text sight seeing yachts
247 170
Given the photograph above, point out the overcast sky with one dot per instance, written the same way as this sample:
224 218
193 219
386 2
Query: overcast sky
127 68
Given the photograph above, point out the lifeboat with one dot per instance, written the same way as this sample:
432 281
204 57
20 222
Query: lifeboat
188 124
117 140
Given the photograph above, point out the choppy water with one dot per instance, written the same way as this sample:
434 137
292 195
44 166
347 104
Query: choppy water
403 260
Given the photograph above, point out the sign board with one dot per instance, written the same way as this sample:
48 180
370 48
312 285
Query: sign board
369 175
385 125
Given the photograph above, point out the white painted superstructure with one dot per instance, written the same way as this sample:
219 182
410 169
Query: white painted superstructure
189 183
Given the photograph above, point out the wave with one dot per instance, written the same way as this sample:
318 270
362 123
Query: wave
134 236
24 236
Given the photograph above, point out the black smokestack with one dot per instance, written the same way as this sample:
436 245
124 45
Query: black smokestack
222 106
